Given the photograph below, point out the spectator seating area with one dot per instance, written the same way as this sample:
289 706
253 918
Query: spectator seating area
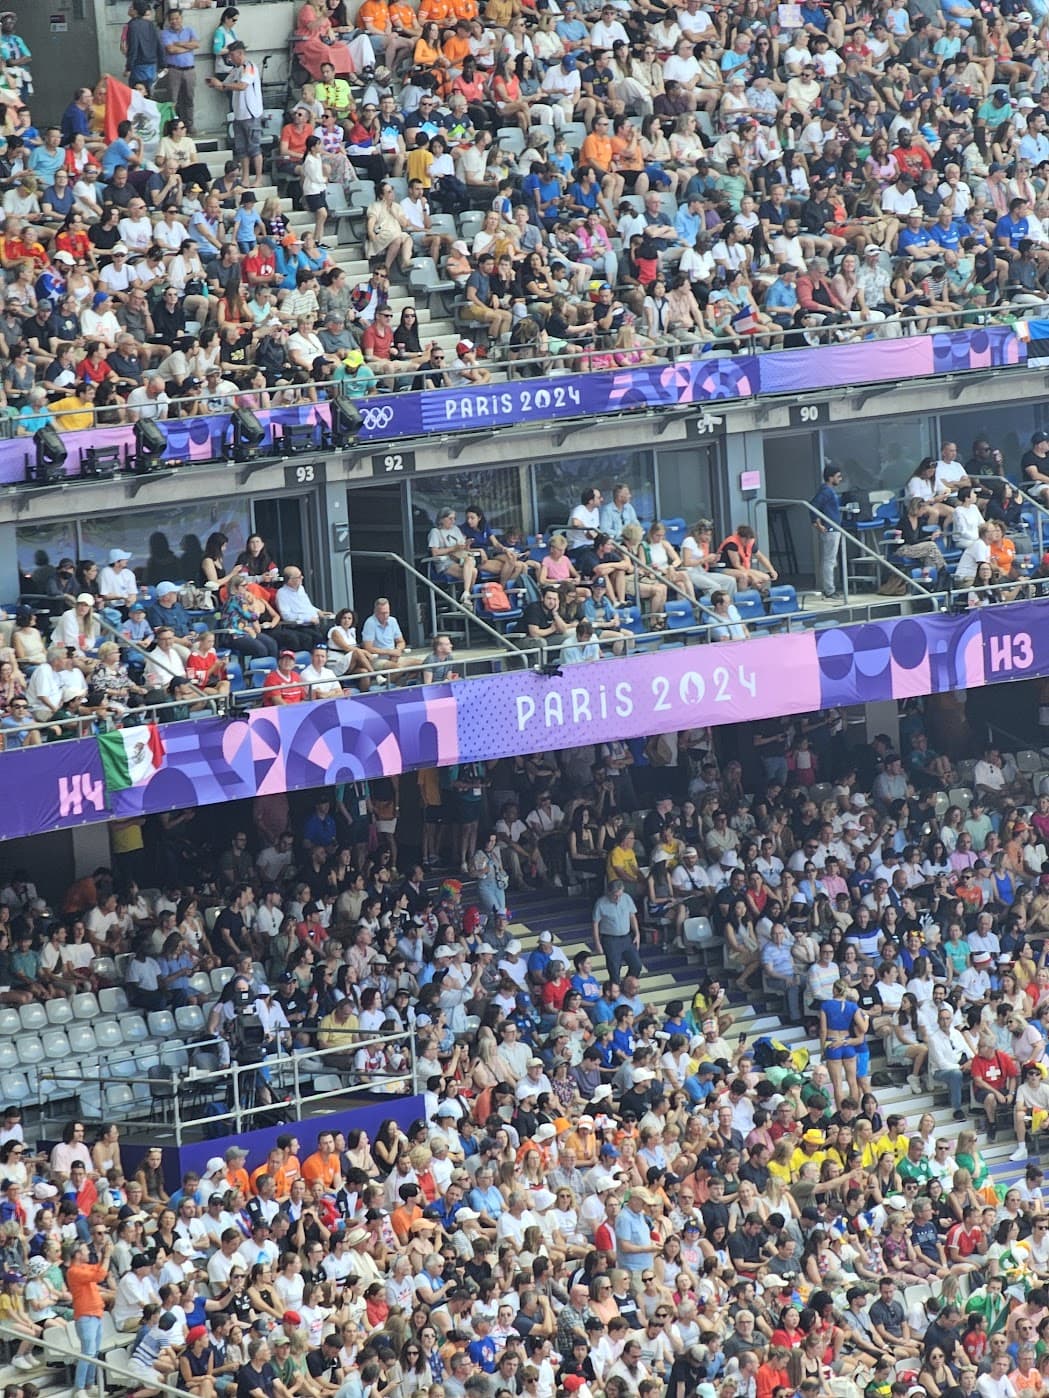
690 948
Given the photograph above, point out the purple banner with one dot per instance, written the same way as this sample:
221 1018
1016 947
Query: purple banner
722 683
364 736
388 417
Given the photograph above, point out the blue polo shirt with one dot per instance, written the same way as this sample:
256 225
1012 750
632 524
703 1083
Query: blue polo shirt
949 237
1012 228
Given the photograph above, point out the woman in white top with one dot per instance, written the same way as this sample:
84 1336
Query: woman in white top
345 656
664 558
967 518
921 485
314 174
698 561
184 269
77 627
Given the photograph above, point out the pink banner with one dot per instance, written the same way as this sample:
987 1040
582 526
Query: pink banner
728 682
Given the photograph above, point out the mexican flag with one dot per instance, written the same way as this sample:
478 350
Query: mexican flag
130 756
124 103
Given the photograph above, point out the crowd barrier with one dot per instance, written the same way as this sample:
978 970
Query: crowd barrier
358 737
392 416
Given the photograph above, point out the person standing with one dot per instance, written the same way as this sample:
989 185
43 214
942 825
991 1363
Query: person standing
245 83
143 51
84 1279
828 538
180 45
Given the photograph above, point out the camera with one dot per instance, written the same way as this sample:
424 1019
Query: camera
245 1032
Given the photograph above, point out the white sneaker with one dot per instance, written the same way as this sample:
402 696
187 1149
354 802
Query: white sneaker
80 1393
914 1082
1020 1153
23 1361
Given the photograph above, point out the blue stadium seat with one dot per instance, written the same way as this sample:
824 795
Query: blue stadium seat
750 606
676 529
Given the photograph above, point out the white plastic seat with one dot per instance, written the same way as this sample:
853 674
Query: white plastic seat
133 1027
82 1039
56 1045
107 1034
10 1022
59 1011
32 1016
120 1098
175 1055
113 1001
104 967
697 931
190 1019
85 1005
14 1087
220 978
30 1049
200 982
161 1024
123 1065
8 1055
328 1082
90 1098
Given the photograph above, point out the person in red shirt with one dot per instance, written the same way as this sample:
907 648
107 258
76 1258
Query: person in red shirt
605 1232
377 341
556 988
204 667
994 1078
293 138
284 684
259 266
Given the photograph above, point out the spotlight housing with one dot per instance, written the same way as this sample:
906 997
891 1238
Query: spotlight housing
49 464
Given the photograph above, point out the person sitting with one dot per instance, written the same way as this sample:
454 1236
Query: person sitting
301 622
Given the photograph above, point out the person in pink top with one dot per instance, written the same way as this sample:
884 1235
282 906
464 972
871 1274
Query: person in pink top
557 567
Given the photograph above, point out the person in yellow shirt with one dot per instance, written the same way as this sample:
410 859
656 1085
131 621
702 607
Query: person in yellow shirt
809 1151
339 1030
334 92
76 411
622 864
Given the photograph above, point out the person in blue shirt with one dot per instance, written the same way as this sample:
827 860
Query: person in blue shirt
585 982
623 1035
945 231
828 539
47 159
121 151
482 1350
1013 226
571 30
913 241
247 226
319 829
781 299
76 117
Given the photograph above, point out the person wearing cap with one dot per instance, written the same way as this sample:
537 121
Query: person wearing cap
465 368
284 684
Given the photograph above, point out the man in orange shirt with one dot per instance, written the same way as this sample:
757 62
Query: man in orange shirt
321 1170
274 1167
236 1176
84 1280
440 11
596 151
292 1166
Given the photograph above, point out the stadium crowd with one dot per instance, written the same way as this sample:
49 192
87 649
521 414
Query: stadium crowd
590 185
602 1195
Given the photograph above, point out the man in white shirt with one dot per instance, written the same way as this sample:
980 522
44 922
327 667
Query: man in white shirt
99 322
950 473
947 1051
302 628
608 30
136 228
991 780
45 692
973 555
117 583
149 402
323 682
164 663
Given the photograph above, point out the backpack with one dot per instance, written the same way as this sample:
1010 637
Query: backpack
493 595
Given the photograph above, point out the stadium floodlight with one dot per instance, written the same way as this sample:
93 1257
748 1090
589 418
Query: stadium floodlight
248 434
49 466
150 446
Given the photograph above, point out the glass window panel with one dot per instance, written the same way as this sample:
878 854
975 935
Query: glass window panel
1008 428
559 484
40 545
168 541
879 454
500 494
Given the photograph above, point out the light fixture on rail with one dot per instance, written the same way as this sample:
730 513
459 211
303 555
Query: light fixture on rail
150 446
248 435
49 465
346 421
99 463
298 438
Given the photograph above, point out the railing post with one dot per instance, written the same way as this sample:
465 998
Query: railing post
415 1067
236 1096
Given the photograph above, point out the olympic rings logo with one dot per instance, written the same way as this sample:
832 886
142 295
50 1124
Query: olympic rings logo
374 419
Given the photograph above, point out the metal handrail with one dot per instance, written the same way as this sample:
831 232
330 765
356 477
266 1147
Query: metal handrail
120 1376
1027 499
436 594
912 585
